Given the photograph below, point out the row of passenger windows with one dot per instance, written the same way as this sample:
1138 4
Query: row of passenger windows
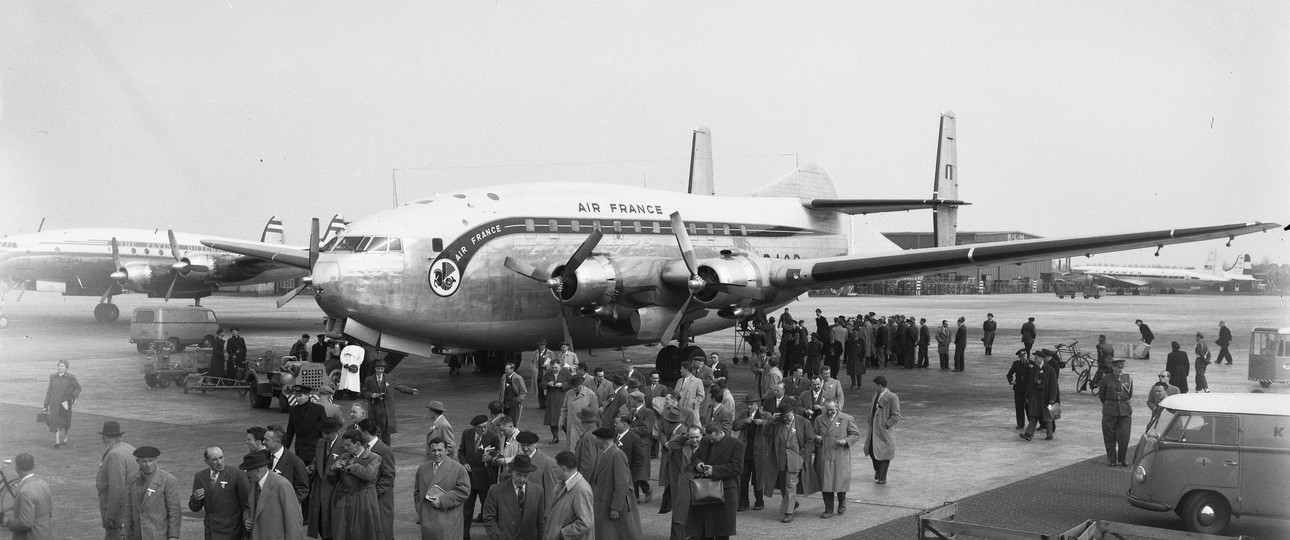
364 244
620 227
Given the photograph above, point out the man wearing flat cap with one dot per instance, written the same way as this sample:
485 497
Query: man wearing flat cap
516 509
440 429
152 507
223 493
321 492
478 450
274 511
116 469
616 515
324 397
544 473
302 424
378 391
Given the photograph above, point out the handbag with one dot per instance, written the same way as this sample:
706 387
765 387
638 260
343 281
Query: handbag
1054 411
42 417
707 491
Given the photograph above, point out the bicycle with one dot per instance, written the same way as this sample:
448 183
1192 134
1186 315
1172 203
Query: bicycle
8 492
1081 364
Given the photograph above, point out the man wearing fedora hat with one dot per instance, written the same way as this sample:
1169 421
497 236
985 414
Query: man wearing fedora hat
378 391
576 400
586 449
115 470
152 507
610 476
273 512
302 424
223 493
440 428
516 509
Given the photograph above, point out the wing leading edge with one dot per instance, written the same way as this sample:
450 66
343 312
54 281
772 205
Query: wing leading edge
807 274
874 206
288 255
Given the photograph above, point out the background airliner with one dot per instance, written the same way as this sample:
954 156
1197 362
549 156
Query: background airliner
1169 279
492 269
162 264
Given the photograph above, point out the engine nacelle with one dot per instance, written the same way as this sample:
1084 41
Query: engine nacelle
625 282
197 267
592 284
137 275
746 274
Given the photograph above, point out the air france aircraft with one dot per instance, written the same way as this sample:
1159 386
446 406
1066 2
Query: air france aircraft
490 270
105 262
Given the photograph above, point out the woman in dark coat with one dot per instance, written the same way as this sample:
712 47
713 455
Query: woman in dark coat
62 392
1041 391
1178 367
356 514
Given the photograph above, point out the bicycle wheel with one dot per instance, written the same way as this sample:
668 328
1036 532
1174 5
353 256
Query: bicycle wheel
6 497
1081 381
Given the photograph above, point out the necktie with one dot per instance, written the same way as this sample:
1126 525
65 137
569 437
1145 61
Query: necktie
214 478
519 493
255 495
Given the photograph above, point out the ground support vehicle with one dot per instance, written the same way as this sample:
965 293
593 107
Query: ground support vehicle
163 365
1209 457
1270 356
269 374
180 326
940 523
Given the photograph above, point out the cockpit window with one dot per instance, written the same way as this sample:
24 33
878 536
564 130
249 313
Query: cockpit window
330 244
348 243
366 244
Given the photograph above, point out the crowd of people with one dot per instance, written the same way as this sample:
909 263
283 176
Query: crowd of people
330 474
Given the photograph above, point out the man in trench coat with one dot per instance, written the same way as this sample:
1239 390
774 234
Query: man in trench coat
879 445
152 507
835 433
440 488
378 390
616 513
792 441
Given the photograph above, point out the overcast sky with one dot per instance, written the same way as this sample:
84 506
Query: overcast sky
1073 118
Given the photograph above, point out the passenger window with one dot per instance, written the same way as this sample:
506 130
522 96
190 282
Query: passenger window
725 229
552 225
436 244
709 228
595 225
143 317
657 228
618 227
1205 429
349 243
395 244
743 230
573 226
529 226
636 225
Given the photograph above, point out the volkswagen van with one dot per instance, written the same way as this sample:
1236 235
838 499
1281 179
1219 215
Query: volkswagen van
1208 457
180 326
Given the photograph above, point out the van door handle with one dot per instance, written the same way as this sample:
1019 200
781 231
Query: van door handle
1230 463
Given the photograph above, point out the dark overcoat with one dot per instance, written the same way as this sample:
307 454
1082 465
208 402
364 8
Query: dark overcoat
727 460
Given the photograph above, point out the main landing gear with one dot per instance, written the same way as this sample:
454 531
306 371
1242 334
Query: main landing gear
668 361
106 312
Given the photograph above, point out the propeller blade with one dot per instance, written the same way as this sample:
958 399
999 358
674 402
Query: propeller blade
291 294
583 252
670 333
564 322
116 254
313 244
172 287
174 246
683 240
527 270
21 292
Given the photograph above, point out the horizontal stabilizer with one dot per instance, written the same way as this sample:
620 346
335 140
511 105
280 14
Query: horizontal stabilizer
875 206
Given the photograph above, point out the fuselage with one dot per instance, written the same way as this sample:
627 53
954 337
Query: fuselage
82 258
1155 277
446 285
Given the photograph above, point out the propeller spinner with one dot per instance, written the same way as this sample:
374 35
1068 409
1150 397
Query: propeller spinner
564 280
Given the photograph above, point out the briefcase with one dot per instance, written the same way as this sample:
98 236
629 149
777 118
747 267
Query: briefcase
707 491
42 417
1054 411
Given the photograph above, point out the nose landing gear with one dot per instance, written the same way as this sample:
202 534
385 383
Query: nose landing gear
106 313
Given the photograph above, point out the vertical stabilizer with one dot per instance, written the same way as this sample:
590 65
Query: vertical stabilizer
701 177
335 227
945 220
273 232
1212 265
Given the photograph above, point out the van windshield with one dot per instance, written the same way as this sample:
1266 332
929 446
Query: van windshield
1161 420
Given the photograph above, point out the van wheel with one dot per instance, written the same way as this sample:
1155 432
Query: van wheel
1206 512
175 345
208 341
257 401
142 347
1265 384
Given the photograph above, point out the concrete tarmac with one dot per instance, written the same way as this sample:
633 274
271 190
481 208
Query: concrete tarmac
955 440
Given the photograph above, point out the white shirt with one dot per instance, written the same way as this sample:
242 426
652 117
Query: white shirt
276 457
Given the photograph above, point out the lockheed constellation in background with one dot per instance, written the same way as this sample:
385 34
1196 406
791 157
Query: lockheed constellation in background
493 269
104 262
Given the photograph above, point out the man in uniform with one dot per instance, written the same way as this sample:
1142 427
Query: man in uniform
1018 376
318 353
116 469
987 332
377 389
32 514
224 493
217 356
1028 334
302 424
1115 391
152 507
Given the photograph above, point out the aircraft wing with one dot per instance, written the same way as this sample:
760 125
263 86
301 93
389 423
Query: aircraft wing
807 274
874 206
288 255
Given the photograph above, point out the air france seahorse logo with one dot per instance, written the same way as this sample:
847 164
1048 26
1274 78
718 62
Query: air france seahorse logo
444 278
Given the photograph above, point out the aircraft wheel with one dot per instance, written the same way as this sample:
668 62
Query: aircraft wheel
693 352
1265 384
1206 512
668 364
